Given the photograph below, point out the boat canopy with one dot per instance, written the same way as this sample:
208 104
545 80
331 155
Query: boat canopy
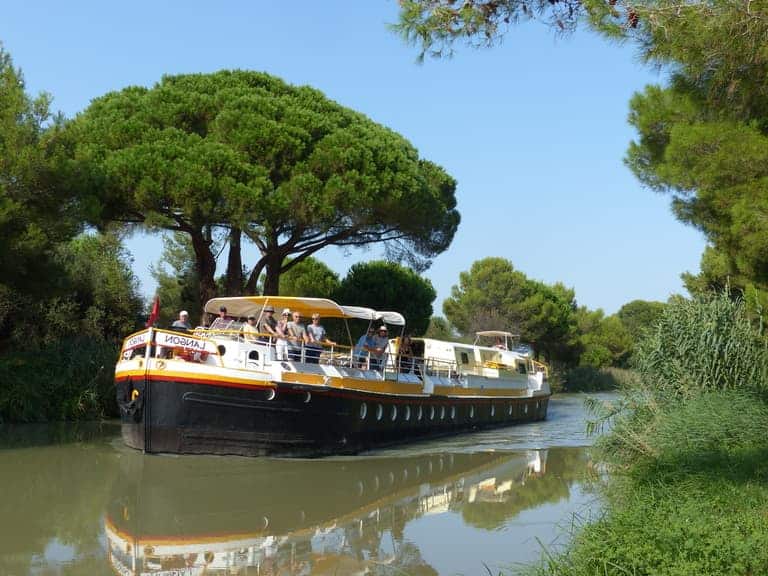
246 305
494 333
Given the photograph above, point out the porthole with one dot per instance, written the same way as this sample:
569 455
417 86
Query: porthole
307 397
431 412
393 416
253 355
271 394
222 349
379 411
509 409
363 411
471 411
442 412
493 410
419 413
407 413
525 409
453 412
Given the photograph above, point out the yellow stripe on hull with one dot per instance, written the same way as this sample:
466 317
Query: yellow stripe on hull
490 392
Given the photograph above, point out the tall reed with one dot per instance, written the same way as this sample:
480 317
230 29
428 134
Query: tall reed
705 344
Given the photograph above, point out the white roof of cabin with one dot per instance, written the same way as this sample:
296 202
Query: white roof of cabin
245 305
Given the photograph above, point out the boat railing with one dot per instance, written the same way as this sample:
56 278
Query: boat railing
540 367
202 342
440 368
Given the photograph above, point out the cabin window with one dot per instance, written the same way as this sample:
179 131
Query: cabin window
521 369
394 413
525 409
379 411
442 412
431 412
363 411
471 411
253 355
453 412
493 410
509 409
222 349
419 413
407 413
464 358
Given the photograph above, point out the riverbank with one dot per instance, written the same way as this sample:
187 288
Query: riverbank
688 493
695 503
65 380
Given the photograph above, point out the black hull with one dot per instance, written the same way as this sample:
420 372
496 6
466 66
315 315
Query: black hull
295 420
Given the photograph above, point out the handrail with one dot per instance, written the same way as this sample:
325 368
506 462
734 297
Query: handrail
540 367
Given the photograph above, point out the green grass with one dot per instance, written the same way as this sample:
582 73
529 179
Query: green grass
687 450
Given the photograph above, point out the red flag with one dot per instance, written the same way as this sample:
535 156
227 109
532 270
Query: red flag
155 312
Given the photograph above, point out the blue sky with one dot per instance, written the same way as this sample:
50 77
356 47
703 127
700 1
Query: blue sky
534 130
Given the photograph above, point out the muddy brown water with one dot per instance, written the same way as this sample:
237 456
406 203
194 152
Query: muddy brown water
74 500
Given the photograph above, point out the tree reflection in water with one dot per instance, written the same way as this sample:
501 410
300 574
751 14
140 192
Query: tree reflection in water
337 516
88 503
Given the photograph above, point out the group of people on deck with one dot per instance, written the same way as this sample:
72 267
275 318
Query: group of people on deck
290 335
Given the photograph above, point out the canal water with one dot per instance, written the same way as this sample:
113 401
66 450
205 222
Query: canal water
74 500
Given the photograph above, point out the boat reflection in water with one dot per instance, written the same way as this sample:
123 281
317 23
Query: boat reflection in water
210 515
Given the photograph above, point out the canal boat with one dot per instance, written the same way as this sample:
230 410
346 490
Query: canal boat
221 389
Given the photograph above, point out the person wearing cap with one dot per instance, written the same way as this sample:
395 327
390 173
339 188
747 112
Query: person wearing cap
268 324
379 350
249 329
363 347
222 321
281 329
182 324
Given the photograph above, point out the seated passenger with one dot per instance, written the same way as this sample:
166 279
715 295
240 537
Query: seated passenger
182 324
249 330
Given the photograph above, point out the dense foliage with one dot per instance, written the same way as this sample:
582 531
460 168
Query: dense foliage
309 278
390 286
245 152
38 208
492 295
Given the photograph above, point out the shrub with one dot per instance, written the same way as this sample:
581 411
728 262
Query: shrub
70 379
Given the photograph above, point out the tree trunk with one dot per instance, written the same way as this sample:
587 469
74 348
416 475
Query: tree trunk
233 284
272 276
206 269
